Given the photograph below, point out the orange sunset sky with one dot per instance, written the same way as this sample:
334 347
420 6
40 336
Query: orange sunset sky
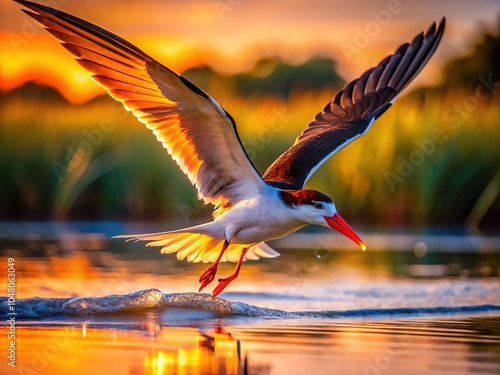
230 35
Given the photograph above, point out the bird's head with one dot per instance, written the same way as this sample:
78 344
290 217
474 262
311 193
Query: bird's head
314 207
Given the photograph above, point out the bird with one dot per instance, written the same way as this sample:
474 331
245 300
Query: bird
201 137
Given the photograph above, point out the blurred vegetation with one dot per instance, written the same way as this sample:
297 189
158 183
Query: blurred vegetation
273 77
482 61
432 160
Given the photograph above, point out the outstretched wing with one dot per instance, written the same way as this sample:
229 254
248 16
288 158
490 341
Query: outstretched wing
353 111
199 135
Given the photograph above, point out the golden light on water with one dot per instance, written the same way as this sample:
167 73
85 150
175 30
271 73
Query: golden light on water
347 347
158 363
218 353
181 358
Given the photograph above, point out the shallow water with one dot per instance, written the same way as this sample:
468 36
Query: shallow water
417 346
108 306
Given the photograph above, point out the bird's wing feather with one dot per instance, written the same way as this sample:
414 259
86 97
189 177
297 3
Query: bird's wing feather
352 111
200 247
199 135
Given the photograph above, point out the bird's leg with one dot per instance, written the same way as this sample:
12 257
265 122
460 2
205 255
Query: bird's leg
225 282
208 276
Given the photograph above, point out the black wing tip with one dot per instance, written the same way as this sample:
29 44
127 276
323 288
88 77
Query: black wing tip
36 7
441 27
23 2
33 6
29 12
437 29
434 29
442 23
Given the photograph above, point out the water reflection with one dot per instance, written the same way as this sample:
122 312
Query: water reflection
319 280
218 353
79 349
459 346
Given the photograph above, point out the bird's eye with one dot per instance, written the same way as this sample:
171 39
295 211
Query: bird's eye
319 206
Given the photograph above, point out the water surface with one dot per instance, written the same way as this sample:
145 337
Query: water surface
105 306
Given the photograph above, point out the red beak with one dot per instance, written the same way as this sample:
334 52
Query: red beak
337 223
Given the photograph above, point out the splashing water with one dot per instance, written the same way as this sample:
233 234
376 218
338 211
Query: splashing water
388 300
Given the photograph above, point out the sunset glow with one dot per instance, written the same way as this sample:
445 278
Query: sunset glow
228 38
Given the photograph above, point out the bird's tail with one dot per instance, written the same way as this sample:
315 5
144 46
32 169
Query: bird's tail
195 245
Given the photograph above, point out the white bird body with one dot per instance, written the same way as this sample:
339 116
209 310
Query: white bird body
202 139
251 221
248 223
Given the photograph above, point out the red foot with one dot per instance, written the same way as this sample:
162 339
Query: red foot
222 284
225 282
207 277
